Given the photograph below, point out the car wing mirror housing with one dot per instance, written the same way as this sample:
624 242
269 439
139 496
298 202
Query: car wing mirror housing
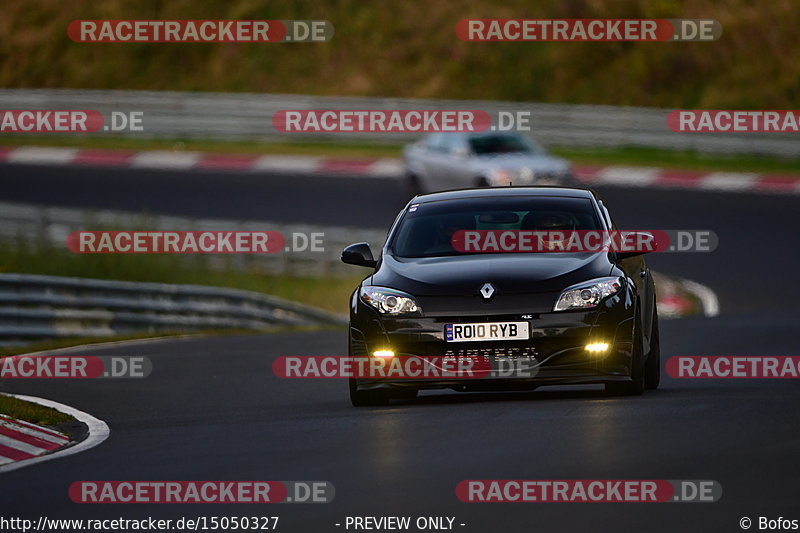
625 255
359 254
634 243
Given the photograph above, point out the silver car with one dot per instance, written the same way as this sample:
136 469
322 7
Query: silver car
443 161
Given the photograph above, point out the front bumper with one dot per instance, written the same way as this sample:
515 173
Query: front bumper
557 347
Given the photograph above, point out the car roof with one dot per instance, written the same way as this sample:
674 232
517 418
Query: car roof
505 192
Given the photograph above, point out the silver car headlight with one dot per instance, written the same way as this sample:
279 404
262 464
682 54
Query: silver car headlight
389 301
588 294
501 176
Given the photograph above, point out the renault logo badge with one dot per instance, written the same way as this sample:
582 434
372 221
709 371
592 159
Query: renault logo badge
487 291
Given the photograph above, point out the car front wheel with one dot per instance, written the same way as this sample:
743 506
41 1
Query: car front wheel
652 366
481 181
636 385
413 186
367 398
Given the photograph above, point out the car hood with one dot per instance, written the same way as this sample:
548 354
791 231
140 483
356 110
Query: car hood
509 273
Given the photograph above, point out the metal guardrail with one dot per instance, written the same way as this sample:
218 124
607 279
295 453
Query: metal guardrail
42 307
36 307
170 114
31 226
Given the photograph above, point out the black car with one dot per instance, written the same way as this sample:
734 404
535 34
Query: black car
586 317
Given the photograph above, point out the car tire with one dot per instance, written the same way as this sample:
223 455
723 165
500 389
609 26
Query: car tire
405 394
634 387
367 398
652 365
570 181
413 186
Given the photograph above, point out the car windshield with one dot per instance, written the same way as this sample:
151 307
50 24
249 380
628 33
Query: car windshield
499 143
427 229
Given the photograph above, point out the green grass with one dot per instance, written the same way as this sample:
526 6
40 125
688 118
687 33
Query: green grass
329 293
409 49
31 412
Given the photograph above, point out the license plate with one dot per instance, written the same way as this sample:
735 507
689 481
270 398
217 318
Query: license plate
487 331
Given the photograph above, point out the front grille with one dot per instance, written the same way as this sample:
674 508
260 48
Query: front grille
495 351
358 348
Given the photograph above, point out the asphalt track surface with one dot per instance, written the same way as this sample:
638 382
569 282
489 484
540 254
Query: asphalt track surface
212 409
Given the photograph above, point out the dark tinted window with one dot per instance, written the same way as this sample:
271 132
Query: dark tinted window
436 142
501 143
427 229
454 142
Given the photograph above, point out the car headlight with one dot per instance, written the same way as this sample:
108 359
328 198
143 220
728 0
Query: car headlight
588 294
389 301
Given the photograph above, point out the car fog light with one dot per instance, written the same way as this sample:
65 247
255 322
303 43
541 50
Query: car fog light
383 353
597 347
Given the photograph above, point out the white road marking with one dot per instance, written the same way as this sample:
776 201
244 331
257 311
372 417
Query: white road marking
386 168
632 176
44 435
37 155
165 159
623 176
728 181
286 163
98 432
21 446
707 297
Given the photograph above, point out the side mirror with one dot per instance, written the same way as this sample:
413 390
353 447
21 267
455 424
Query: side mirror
625 255
359 254
635 243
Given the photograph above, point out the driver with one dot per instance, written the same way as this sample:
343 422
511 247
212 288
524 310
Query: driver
557 228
